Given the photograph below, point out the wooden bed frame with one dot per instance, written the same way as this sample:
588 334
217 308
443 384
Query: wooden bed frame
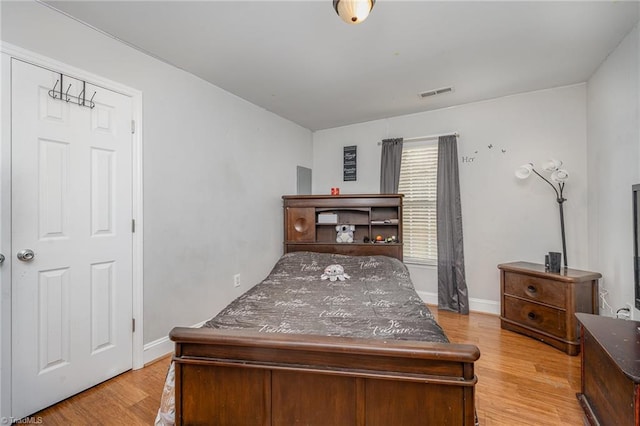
230 377
236 377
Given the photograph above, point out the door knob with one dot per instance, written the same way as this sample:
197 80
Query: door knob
1 258
26 255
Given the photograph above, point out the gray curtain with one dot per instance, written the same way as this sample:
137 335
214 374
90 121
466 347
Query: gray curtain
390 165
452 284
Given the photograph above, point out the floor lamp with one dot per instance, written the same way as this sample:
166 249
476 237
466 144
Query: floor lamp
556 181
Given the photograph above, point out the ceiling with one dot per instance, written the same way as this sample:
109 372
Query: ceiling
300 61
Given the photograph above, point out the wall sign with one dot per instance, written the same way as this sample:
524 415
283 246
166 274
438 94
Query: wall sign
349 163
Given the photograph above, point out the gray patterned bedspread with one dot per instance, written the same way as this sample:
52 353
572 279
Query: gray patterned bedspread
377 300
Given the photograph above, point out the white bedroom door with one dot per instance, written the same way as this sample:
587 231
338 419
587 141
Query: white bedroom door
71 238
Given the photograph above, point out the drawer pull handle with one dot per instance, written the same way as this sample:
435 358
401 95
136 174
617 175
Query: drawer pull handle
531 315
532 289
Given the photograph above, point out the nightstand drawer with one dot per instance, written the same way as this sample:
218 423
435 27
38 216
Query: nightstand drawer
535 289
543 318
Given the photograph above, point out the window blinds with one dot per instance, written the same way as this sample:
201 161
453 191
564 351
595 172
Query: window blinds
418 177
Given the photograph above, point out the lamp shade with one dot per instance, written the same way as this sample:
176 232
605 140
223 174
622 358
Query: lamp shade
552 165
559 176
524 171
353 11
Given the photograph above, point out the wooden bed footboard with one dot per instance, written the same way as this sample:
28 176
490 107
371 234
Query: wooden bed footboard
231 377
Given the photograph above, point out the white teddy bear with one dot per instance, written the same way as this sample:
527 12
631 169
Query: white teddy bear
345 233
333 273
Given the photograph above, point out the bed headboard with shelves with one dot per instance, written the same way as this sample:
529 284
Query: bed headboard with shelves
310 223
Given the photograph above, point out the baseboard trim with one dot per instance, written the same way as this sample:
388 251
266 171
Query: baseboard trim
428 297
161 347
157 349
475 305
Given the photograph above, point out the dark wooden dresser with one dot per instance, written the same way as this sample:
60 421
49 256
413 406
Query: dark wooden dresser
610 392
543 304
307 229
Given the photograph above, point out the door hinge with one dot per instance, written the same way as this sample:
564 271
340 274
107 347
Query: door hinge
133 225
133 325
133 126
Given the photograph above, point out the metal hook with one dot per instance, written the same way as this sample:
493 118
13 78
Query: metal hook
52 92
91 103
66 94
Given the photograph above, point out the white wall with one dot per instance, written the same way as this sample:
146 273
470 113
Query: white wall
613 152
504 219
215 167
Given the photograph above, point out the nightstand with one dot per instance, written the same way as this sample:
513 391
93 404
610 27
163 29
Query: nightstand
542 304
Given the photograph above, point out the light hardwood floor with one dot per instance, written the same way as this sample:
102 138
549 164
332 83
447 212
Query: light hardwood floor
520 382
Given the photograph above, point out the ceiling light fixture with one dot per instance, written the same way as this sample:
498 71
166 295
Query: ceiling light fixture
353 11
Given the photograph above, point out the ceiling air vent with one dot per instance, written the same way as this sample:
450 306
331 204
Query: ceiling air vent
434 92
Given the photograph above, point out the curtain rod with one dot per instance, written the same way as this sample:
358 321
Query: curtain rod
427 138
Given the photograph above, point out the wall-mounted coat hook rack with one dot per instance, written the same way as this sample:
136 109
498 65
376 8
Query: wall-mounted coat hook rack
80 99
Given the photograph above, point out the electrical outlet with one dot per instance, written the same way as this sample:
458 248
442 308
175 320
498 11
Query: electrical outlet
626 312
630 307
236 280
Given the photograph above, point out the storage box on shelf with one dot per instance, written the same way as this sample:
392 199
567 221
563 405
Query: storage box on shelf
310 223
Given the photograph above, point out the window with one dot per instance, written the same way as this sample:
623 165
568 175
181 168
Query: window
418 177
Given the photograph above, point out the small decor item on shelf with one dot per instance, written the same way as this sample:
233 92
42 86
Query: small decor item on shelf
345 233
333 273
335 191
